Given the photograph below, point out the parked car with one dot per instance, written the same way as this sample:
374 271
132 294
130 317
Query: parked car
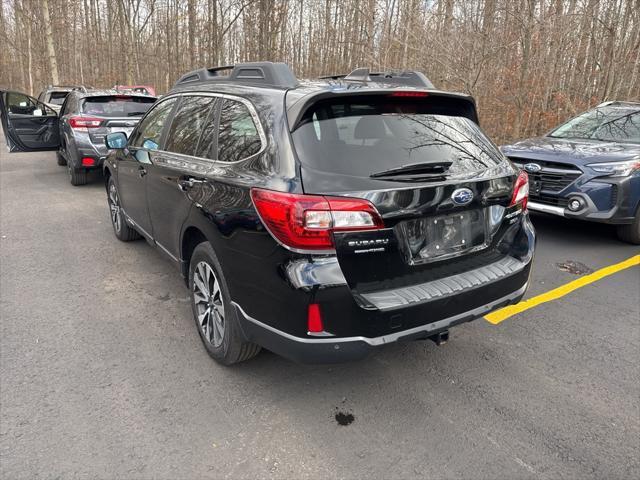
143 89
323 219
588 168
54 95
77 132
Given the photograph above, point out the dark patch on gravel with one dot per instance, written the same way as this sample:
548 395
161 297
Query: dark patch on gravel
576 268
344 419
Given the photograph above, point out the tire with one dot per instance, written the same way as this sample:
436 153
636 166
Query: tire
77 176
630 233
60 159
213 313
122 230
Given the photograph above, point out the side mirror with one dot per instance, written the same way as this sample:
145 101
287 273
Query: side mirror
116 141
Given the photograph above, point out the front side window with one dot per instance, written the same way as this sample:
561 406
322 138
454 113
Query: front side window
238 137
188 123
149 131
21 104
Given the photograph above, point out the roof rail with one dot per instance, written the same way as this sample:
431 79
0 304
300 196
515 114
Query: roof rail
407 78
255 73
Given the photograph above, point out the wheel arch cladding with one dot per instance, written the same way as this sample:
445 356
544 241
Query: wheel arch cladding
191 238
107 176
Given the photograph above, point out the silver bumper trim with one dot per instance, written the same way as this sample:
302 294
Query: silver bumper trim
392 337
445 287
541 207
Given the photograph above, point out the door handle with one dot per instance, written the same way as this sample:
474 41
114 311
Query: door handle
142 171
185 183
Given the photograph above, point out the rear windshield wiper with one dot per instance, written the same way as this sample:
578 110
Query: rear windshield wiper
422 170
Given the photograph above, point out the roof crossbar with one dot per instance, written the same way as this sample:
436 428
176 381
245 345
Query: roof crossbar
267 74
407 78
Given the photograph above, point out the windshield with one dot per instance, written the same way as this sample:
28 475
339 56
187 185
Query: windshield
117 106
605 124
365 138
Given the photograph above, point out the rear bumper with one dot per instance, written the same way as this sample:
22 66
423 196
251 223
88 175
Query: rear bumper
346 349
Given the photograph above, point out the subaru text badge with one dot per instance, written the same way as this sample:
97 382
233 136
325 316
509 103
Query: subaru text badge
462 196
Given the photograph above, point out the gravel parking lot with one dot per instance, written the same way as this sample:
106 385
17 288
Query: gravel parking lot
103 374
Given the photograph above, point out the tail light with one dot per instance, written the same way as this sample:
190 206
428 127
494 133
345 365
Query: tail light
83 123
306 222
521 191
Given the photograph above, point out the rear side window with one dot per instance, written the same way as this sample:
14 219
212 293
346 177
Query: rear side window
188 124
362 136
117 105
148 133
238 136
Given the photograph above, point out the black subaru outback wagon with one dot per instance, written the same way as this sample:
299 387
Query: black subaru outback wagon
323 219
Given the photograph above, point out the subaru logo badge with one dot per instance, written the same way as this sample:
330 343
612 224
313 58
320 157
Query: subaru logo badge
532 167
462 196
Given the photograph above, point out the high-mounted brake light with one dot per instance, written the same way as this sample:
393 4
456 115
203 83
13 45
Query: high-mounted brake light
409 94
82 123
521 191
306 222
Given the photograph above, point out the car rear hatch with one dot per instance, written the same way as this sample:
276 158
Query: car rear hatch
116 113
442 189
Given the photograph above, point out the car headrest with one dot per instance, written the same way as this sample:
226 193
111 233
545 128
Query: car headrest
370 126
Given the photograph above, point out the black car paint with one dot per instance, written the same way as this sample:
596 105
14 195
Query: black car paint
270 306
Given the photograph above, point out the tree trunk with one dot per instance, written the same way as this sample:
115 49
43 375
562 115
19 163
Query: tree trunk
53 62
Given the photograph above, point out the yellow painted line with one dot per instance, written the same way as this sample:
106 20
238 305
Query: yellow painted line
506 312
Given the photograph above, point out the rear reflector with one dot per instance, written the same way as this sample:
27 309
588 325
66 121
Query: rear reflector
306 222
521 190
314 319
84 122
88 162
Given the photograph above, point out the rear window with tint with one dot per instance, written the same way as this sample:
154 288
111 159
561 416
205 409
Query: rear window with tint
238 136
57 98
362 136
117 106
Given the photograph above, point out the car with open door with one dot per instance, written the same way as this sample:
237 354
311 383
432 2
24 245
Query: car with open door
77 132
323 219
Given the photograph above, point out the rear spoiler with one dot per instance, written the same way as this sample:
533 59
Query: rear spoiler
442 102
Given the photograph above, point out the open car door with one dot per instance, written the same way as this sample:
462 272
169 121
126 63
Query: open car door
29 125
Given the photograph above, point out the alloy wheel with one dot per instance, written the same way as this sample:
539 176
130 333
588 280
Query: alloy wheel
209 303
114 206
